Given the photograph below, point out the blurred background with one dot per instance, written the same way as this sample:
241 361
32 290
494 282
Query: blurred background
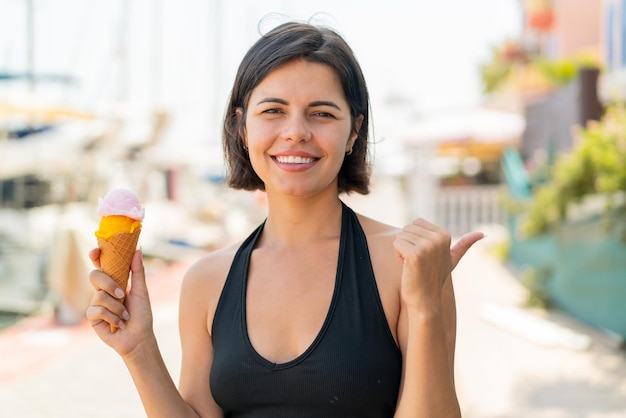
500 115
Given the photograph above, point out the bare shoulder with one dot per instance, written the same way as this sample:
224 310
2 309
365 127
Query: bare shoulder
380 236
203 282
375 226
380 239
211 269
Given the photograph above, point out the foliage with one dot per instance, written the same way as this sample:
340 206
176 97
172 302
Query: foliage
558 72
500 65
595 166
494 72
512 64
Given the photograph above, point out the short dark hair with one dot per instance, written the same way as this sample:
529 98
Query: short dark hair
285 43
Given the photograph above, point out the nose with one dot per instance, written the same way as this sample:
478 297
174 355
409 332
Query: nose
296 129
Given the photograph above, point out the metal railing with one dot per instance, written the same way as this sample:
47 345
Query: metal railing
460 209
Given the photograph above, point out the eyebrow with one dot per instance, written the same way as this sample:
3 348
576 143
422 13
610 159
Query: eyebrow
312 104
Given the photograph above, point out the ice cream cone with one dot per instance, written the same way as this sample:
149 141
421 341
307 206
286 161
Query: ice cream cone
116 255
120 215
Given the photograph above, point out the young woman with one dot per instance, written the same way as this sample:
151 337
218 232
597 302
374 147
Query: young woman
320 312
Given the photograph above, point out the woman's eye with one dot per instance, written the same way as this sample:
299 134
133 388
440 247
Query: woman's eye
324 114
272 111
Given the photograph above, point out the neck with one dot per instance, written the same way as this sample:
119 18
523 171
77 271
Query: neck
300 222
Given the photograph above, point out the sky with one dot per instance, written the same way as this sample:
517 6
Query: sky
418 56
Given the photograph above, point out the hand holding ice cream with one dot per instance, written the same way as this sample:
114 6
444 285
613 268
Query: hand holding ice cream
120 215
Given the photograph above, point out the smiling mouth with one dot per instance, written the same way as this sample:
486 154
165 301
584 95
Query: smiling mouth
291 159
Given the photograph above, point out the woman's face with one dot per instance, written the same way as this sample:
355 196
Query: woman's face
298 129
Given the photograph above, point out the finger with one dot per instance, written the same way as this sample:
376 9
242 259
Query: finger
463 244
138 274
427 236
94 256
101 281
402 246
427 226
99 314
110 303
423 228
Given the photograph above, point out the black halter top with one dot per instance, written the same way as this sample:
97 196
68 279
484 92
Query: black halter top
352 368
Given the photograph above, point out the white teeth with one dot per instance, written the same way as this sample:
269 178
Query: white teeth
291 159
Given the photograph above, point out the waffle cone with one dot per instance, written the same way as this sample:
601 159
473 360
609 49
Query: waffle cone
116 255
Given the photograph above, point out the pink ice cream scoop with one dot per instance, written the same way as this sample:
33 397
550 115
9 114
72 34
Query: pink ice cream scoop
120 202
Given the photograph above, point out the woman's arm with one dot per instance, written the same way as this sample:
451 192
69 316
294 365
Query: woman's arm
427 323
157 391
199 296
135 341
427 339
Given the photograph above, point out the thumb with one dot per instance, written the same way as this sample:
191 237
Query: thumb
138 276
464 243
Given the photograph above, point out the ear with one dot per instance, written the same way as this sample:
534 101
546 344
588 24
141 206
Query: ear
242 126
355 133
